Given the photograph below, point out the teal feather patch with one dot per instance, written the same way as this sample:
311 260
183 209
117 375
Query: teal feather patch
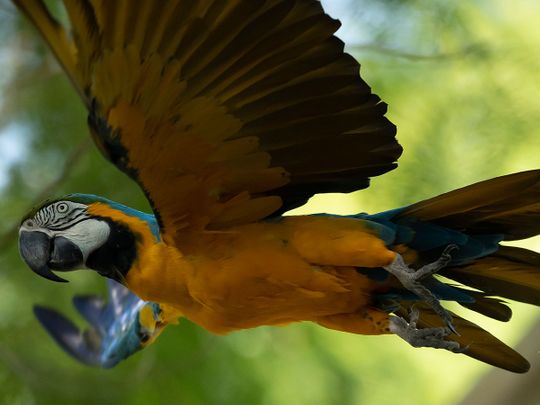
91 198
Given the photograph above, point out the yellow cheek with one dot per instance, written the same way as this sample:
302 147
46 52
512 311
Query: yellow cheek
146 318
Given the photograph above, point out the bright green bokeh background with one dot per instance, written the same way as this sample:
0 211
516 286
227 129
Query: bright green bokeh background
463 85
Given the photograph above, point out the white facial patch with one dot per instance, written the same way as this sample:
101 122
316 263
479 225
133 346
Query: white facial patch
88 235
70 220
56 216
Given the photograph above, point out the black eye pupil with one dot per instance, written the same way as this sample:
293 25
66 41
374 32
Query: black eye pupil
144 337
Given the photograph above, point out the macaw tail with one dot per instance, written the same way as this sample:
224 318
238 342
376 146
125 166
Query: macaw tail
502 209
476 218
477 342
507 205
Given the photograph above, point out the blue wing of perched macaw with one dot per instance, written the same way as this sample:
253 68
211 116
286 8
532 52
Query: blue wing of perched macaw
116 327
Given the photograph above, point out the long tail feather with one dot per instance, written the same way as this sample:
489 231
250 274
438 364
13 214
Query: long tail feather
509 205
476 218
488 306
479 344
511 272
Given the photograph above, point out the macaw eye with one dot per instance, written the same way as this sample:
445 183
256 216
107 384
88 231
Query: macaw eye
144 337
29 223
62 208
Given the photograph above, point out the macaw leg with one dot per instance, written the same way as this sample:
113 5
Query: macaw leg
373 321
426 337
369 321
412 280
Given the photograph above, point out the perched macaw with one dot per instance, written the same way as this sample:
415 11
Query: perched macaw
230 113
119 328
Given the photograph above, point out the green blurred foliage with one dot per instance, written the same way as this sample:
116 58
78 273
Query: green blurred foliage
461 80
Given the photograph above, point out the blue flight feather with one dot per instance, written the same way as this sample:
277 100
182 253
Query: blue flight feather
115 332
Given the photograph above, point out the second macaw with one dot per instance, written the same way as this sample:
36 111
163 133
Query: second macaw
119 327
228 114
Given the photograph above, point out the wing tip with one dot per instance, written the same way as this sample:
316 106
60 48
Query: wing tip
66 334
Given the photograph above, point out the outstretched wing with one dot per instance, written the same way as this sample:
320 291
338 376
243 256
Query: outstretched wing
224 112
115 331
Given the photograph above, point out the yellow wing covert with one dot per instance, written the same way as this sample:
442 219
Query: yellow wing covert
225 112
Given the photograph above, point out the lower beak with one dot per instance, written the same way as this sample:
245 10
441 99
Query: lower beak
41 253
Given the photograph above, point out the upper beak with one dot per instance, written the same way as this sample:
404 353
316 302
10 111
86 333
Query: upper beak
40 253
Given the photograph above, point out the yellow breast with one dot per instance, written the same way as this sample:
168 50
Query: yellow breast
261 274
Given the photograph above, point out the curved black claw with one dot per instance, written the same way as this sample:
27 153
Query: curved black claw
412 280
426 337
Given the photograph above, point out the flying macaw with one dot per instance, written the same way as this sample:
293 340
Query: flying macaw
229 114
119 328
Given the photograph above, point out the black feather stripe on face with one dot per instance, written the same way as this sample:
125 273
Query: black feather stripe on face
58 214
116 256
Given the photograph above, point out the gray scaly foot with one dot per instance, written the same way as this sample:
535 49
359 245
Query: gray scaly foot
412 280
426 337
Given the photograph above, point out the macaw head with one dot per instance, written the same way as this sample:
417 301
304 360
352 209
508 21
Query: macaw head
82 231
118 328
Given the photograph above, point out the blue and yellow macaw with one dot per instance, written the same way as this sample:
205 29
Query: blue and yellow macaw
119 328
228 114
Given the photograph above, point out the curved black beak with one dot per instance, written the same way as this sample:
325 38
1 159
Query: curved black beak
65 255
41 254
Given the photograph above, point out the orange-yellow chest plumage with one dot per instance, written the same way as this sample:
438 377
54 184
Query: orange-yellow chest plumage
300 268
